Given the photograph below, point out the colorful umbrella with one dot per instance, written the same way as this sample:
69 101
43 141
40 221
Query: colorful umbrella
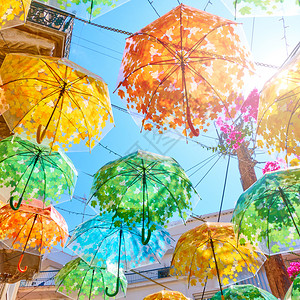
267 213
178 71
278 114
87 9
56 99
262 8
80 281
166 295
32 228
29 170
293 292
100 241
13 13
244 292
210 252
146 187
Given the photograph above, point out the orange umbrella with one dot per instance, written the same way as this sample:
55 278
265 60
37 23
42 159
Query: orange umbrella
179 71
166 295
32 228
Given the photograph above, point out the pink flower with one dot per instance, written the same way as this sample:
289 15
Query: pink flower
293 270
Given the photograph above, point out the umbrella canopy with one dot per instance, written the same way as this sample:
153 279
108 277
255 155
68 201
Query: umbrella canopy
293 292
244 292
210 253
267 213
146 187
166 295
262 8
86 9
56 100
13 13
32 228
178 72
100 241
278 125
29 170
80 281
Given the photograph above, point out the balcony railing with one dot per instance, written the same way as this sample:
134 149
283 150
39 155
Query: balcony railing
46 278
53 18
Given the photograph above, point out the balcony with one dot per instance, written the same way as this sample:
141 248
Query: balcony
47 31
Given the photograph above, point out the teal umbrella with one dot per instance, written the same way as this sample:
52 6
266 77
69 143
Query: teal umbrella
29 170
80 281
101 241
293 292
143 187
268 212
244 292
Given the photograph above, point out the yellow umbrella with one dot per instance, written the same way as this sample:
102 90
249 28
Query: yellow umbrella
210 252
56 100
279 110
166 295
13 12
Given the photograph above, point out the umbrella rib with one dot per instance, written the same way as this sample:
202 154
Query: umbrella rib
44 173
207 82
288 125
111 178
171 72
159 181
42 233
190 268
83 116
83 279
55 74
46 81
31 216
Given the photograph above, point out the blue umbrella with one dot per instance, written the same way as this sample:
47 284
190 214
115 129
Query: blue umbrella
103 240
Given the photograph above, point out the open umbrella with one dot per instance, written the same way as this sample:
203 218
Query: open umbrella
33 228
244 292
166 295
80 281
293 292
267 213
145 187
178 71
86 9
56 100
29 170
278 125
100 242
262 8
210 253
13 13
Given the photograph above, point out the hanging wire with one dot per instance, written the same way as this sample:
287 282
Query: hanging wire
75 213
178 2
150 2
252 35
208 171
210 159
201 162
285 35
208 2
110 151
224 187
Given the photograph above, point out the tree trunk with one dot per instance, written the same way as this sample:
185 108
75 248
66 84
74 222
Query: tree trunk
277 275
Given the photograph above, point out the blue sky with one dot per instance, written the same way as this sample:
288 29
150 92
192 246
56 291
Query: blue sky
100 51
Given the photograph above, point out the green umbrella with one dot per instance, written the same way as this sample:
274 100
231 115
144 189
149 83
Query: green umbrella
29 170
244 292
143 187
268 212
80 281
293 292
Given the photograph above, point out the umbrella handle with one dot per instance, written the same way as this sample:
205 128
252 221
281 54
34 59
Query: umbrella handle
116 291
194 131
145 242
11 202
19 265
39 136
